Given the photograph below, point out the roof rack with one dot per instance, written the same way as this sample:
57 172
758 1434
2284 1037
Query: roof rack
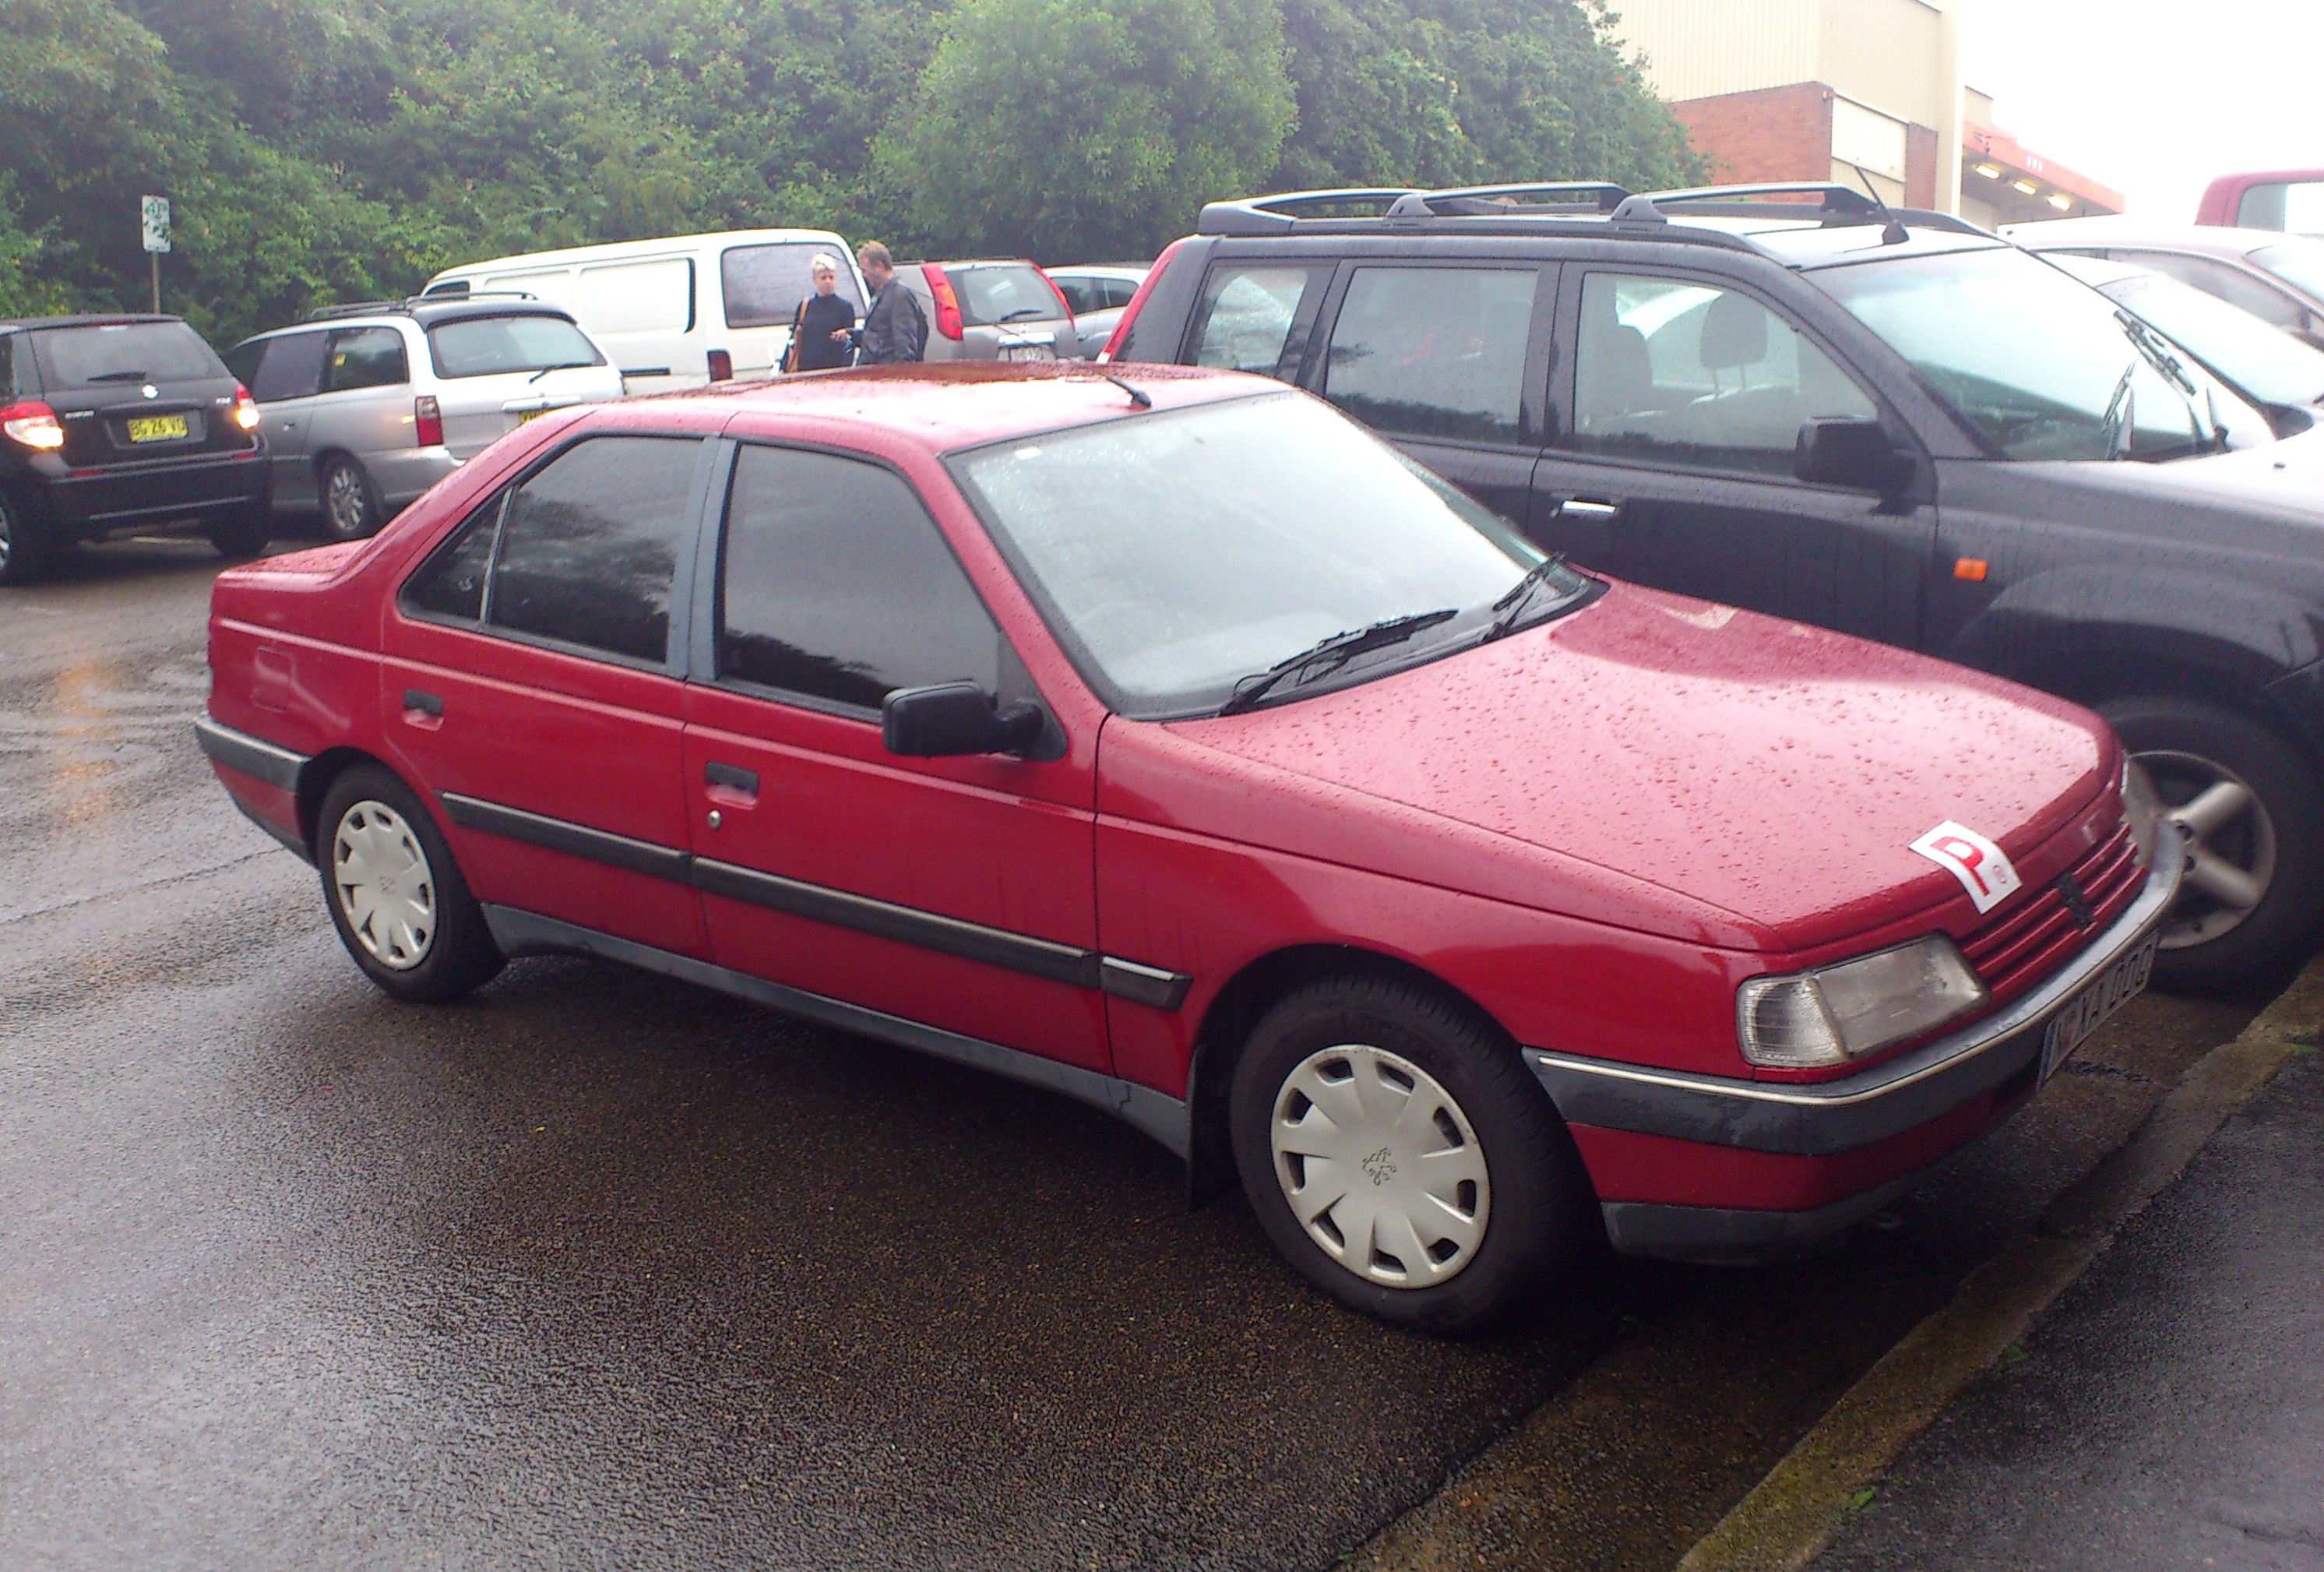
1272 215
1836 206
1538 199
404 307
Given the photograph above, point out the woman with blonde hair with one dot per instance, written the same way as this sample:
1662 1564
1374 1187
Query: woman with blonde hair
823 328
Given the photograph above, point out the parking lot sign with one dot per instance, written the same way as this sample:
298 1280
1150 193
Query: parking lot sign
155 213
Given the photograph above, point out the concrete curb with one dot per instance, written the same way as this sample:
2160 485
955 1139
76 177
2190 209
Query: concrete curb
1793 1514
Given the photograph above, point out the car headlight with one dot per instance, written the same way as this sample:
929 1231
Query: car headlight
2143 808
1835 1013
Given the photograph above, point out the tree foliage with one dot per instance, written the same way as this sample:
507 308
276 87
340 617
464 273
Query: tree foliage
319 151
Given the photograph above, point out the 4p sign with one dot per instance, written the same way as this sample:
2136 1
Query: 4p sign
1982 867
153 212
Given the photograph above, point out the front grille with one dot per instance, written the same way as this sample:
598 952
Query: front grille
2035 934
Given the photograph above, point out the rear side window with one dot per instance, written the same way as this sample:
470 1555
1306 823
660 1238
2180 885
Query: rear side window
1247 314
1116 292
365 358
1009 292
1082 294
764 284
112 352
491 346
290 368
584 552
1434 351
836 584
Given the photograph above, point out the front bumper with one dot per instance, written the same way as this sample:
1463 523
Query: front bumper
1833 1123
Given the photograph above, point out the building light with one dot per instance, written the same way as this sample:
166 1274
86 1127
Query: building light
2062 202
2028 187
1989 172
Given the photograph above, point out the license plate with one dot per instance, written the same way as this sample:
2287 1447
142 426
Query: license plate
525 415
157 428
1028 352
2088 1011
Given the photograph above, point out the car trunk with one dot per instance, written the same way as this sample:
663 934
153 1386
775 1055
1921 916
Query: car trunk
479 410
141 404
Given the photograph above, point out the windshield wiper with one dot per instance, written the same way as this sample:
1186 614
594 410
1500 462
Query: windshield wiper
2119 413
1021 312
2156 351
1338 649
117 377
558 365
1511 605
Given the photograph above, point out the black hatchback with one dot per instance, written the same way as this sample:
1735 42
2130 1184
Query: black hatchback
110 424
1890 423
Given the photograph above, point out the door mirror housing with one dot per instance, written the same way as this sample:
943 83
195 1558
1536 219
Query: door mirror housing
955 718
1854 454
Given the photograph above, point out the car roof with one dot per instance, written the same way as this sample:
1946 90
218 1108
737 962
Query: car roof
944 406
427 313
2122 229
84 319
619 248
2097 272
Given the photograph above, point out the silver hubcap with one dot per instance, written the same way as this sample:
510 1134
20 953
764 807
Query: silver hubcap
349 507
1380 1166
2230 845
387 892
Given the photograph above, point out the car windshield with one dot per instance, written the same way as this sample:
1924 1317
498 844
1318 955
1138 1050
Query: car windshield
135 352
1004 293
487 346
2043 365
2298 263
2268 363
1178 555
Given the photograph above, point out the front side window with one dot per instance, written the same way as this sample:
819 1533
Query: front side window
582 552
836 584
1246 316
493 346
764 284
289 367
2042 364
1179 555
365 358
1673 371
1434 351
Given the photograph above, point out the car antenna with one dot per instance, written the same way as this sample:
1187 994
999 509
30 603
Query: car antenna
1895 233
1137 395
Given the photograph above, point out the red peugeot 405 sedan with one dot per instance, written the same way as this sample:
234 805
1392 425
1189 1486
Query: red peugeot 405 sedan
1168 741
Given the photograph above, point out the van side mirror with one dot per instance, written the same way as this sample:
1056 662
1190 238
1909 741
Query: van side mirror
955 718
1854 454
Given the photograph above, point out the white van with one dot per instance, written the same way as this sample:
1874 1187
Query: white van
677 312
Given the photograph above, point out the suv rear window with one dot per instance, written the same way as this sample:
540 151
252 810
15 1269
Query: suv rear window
1005 293
487 346
107 351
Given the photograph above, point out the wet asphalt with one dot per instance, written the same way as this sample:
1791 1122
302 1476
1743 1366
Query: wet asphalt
598 1270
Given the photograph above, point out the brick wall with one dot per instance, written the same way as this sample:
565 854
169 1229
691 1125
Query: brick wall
1774 134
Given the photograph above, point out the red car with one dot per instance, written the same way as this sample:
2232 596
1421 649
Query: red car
1169 741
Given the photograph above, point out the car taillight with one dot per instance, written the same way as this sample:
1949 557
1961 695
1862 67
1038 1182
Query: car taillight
721 366
427 420
246 414
1119 339
947 303
33 424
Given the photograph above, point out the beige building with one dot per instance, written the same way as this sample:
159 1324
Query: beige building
1822 89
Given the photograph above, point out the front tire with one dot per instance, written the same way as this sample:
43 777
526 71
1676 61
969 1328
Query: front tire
351 507
1401 1157
2250 807
395 894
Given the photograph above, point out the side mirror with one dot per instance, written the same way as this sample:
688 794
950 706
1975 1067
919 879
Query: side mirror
954 718
1854 454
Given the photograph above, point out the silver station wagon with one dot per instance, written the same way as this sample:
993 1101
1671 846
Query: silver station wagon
365 407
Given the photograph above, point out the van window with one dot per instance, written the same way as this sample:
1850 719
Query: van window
488 346
765 283
292 368
652 296
365 358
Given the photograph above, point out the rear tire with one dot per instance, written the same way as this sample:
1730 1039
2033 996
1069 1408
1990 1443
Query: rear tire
351 506
26 553
1427 1180
395 895
243 533
2255 884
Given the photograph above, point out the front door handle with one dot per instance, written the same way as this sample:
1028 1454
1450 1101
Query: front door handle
733 778
1587 507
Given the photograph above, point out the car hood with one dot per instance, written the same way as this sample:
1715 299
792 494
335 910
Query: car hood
1744 765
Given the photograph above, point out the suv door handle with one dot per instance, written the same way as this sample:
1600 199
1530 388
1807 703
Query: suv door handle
733 777
1585 507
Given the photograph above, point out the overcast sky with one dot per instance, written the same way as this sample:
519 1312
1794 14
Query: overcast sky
2153 98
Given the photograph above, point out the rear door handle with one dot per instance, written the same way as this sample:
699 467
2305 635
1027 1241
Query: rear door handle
1585 507
733 778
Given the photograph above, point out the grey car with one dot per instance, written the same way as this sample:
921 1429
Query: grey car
997 309
1098 293
365 407
2274 276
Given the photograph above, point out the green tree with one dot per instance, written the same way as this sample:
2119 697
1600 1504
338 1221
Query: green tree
1084 129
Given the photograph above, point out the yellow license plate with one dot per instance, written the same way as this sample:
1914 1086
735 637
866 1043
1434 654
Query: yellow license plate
525 415
157 428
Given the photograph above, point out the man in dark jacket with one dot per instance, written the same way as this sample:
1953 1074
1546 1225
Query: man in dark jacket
893 330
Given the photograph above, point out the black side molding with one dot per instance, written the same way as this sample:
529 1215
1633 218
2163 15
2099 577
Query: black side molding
258 759
558 835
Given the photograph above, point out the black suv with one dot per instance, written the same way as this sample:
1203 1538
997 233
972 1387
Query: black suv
1892 424
116 424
